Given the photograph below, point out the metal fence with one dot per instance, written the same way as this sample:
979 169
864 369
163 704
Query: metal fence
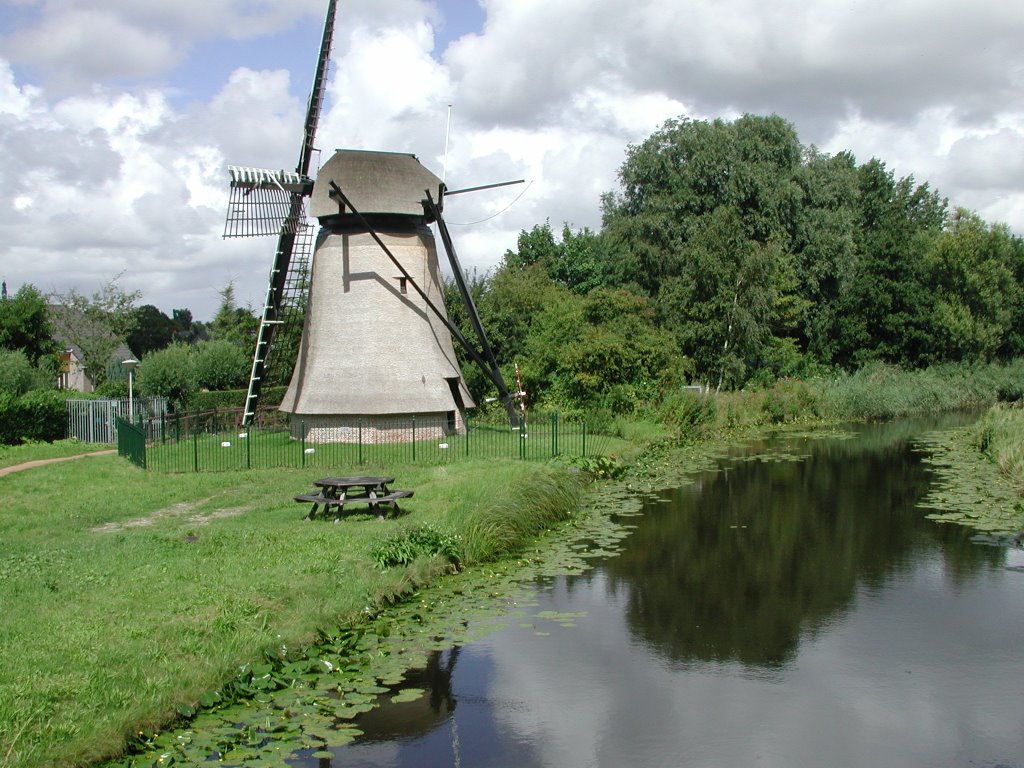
131 442
198 444
94 421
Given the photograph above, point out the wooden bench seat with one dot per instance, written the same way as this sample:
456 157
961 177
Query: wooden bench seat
391 499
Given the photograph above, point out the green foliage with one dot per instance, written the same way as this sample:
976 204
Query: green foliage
691 414
39 415
600 467
169 373
17 374
404 546
976 295
234 324
234 398
114 390
220 365
789 400
150 330
96 325
25 324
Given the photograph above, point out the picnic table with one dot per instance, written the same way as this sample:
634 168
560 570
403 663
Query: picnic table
339 492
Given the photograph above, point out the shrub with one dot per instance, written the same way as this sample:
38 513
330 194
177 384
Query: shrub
169 373
17 374
691 414
39 415
114 390
788 400
408 544
220 365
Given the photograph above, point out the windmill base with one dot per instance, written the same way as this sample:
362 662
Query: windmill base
376 430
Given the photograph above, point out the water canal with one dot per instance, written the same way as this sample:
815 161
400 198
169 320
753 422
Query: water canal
797 611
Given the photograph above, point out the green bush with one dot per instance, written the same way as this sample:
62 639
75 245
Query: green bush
690 413
114 390
235 398
219 401
406 545
37 416
220 365
169 373
17 374
788 400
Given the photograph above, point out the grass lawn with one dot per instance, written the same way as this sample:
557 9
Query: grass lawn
18 454
125 593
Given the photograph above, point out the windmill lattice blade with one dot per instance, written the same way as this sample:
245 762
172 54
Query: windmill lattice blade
261 202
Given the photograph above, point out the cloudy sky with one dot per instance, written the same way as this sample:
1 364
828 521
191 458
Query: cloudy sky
118 117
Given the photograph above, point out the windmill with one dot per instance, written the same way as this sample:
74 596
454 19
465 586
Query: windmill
376 343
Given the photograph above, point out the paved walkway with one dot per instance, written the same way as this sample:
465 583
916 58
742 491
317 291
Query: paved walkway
43 462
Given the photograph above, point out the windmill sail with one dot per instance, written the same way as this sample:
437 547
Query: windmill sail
274 202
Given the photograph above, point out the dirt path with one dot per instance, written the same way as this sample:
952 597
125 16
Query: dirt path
43 462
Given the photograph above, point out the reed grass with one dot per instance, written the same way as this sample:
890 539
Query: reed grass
999 434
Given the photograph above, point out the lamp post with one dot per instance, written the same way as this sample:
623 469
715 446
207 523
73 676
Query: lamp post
131 364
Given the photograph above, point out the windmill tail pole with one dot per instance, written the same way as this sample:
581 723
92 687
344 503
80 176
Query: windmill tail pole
492 370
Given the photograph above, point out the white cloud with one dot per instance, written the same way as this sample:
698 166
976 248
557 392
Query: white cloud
114 164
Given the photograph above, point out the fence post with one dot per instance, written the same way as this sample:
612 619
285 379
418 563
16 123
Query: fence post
302 444
360 459
554 434
584 439
522 436
248 450
414 437
466 424
195 451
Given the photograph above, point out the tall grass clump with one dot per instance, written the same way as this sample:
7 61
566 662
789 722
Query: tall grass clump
1000 436
789 400
880 391
691 415
507 514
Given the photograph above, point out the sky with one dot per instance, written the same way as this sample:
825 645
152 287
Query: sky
118 119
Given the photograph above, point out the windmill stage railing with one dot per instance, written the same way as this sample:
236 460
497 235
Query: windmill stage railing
215 443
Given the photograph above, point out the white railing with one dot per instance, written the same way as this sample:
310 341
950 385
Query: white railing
93 421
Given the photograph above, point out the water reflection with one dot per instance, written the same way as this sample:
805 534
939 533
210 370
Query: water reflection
749 559
410 719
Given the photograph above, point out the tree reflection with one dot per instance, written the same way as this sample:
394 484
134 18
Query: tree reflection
411 719
740 565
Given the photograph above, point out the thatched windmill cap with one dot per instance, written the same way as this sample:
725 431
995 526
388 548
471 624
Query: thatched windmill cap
375 182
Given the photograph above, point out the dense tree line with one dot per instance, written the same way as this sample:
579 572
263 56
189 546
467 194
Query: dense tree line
732 255
179 355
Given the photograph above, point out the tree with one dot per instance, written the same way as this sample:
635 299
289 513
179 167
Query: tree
974 288
887 310
602 350
232 323
97 326
169 373
185 328
25 324
220 365
705 225
151 330
825 248
17 374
